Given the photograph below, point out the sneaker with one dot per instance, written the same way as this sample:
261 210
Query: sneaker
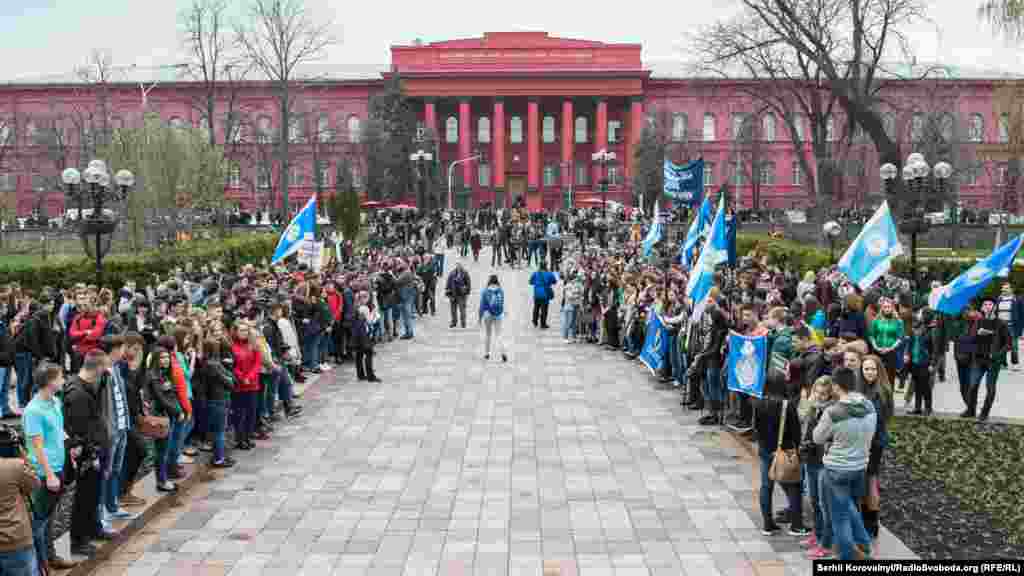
802 531
225 463
206 447
123 515
167 487
818 553
770 530
809 542
185 459
782 517
189 451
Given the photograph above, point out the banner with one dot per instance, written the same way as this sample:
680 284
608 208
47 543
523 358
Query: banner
656 342
746 364
684 183
310 253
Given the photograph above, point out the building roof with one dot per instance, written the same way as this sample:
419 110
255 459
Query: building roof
662 69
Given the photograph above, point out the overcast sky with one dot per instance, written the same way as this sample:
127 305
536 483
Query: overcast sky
39 38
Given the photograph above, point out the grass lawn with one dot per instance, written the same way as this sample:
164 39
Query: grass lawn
979 465
29 259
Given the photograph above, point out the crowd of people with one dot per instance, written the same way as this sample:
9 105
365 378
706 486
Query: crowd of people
112 387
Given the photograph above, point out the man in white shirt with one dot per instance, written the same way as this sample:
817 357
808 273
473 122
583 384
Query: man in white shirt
439 245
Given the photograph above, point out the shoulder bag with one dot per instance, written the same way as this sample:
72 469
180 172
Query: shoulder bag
785 468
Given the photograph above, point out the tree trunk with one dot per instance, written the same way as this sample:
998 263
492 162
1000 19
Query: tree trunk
283 151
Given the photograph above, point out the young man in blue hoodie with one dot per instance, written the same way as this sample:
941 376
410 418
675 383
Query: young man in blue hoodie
542 281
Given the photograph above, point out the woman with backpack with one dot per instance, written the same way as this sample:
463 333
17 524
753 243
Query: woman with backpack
492 312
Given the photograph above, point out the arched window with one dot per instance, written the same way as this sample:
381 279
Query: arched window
483 129
976 128
548 129
355 130
917 127
451 130
581 129
296 129
323 129
768 173
709 127
31 133
176 123
679 127
515 132
357 178
265 127
889 125
1004 128
5 131
740 129
768 127
550 175
800 123
830 129
946 127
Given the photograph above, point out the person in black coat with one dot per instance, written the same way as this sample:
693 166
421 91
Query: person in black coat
135 378
767 414
364 347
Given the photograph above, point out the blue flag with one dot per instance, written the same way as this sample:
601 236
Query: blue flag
656 343
698 229
951 298
870 256
714 252
747 364
302 227
730 237
684 183
654 234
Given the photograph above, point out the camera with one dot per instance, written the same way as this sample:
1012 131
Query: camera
10 442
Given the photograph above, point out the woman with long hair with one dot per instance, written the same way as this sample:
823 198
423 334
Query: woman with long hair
886 336
247 385
876 387
164 398
491 315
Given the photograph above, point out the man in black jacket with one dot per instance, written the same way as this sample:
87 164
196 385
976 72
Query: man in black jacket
86 426
34 342
994 342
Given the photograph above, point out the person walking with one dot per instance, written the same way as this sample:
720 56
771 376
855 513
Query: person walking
993 342
457 289
1011 313
491 315
364 346
542 281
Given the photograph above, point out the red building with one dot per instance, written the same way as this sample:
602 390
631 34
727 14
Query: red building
520 113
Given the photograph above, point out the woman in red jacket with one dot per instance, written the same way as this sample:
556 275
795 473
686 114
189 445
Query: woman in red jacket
337 306
247 385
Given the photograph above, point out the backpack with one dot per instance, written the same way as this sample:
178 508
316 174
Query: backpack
495 305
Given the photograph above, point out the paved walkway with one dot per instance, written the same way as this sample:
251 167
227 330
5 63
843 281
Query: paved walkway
567 460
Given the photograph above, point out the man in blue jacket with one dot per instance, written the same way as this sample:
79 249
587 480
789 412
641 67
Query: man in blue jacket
542 281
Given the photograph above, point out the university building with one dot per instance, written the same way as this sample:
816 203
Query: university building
520 114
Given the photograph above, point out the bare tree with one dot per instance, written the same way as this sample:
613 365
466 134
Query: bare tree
665 135
8 158
91 108
839 47
279 37
1005 17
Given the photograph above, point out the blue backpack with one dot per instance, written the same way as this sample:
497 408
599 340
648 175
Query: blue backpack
495 303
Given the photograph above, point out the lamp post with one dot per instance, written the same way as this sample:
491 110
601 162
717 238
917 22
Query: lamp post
451 174
420 158
98 224
604 157
832 229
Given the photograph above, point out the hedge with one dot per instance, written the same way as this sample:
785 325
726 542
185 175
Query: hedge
119 268
799 258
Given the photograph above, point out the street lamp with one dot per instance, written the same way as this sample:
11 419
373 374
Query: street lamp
451 174
832 229
604 157
420 158
98 224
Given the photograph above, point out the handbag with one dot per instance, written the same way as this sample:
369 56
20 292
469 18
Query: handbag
155 427
785 467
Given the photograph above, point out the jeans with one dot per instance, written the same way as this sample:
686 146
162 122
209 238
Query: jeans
712 388
991 376
5 382
458 305
283 386
23 368
439 265
167 450
243 405
820 499
491 327
216 419
569 321
795 506
846 489
19 562
326 346
406 311
540 312
44 503
311 351
110 482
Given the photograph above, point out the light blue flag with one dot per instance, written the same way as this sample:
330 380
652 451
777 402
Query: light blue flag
714 252
951 298
654 234
656 343
302 227
870 256
747 364
698 229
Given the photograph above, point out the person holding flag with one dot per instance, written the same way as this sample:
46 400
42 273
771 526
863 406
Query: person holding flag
870 255
301 229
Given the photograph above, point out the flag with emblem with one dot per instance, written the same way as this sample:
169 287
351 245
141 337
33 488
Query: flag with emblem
951 298
747 357
656 343
698 230
714 252
302 227
654 234
870 255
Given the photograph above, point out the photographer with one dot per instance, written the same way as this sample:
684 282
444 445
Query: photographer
17 482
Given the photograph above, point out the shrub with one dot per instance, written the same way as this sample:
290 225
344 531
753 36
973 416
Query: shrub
119 268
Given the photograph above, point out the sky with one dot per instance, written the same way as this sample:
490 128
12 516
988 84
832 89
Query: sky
40 38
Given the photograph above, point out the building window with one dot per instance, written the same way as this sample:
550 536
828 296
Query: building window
323 129
515 133
830 129
8 181
709 174
357 178
614 131
798 174
232 131
1002 171
739 125
799 123
37 182
323 174
421 130
976 128
548 129
917 127
483 175
768 173
355 129
971 176
582 129
679 127
451 130
889 125
768 127
483 130
265 127
296 177
550 175
709 127
296 130
1004 128
5 131
582 174
234 176
613 175
263 178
